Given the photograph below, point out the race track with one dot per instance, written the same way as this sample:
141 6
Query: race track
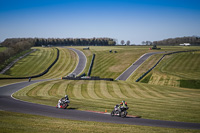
8 103
128 72
82 61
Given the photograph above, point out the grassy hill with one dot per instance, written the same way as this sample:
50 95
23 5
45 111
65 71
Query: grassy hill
161 98
180 70
65 64
111 65
40 60
148 101
2 48
33 64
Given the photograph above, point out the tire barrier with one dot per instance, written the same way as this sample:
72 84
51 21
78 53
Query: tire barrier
87 78
91 65
41 74
84 77
159 62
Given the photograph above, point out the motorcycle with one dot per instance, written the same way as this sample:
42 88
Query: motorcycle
116 112
63 104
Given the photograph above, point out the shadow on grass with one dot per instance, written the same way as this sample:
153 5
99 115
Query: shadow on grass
194 84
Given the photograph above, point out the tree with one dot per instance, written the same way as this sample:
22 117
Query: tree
122 42
149 43
143 43
128 42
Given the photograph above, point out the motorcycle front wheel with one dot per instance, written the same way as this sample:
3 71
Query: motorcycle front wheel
123 114
112 113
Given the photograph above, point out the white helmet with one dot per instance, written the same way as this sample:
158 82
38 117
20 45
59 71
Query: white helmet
66 95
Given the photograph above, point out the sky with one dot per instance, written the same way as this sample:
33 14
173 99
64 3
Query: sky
134 20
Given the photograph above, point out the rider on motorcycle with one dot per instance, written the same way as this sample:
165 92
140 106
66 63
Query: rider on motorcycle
63 100
123 104
118 107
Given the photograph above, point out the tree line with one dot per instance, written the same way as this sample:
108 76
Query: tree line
75 41
193 40
14 47
63 41
17 45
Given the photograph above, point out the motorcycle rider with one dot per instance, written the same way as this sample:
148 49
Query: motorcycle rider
123 104
63 100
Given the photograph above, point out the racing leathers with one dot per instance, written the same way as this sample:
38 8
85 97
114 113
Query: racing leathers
63 100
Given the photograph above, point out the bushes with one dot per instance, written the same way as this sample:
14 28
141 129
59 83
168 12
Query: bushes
195 84
14 47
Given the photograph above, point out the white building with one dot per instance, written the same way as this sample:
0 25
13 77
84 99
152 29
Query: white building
185 44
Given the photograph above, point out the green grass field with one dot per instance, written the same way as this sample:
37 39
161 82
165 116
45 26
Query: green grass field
181 70
2 49
33 64
23 123
38 61
65 64
148 101
161 99
109 65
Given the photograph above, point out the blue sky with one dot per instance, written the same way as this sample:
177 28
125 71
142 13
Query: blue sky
134 20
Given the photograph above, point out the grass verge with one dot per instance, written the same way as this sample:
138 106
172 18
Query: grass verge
11 122
148 101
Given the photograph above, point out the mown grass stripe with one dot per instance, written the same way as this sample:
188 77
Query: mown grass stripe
124 90
34 90
130 91
91 91
104 89
117 90
77 90
97 89
84 91
146 91
42 61
111 90
53 90
44 91
70 90
63 88
58 66
141 92
153 92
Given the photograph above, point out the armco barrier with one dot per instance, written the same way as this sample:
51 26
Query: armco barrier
159 62
91 65
41 74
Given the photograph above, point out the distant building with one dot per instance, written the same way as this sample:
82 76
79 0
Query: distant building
185 44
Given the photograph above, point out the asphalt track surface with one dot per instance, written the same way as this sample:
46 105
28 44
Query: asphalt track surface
128 72
8 103
82 61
